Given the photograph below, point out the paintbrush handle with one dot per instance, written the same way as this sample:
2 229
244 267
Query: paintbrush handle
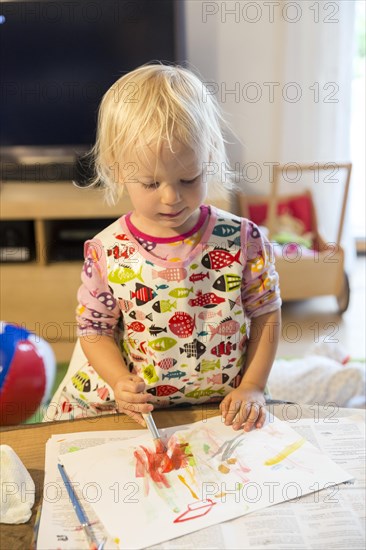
151 425
79 510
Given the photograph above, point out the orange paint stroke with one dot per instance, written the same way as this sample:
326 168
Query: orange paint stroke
188 487
285 452
223 469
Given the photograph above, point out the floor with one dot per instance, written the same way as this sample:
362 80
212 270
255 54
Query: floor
317 320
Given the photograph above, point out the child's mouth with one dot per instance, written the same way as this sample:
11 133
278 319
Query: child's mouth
174 215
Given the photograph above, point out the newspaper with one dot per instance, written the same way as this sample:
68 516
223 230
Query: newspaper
333 517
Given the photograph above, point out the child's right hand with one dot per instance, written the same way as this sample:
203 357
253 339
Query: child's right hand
130 396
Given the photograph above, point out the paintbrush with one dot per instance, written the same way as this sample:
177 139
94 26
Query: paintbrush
160 447
80 512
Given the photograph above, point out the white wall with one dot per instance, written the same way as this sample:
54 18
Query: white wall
234 53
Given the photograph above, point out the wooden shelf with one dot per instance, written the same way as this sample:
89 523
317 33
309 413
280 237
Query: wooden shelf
59 200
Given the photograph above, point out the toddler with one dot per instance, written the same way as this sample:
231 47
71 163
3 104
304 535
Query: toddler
179 302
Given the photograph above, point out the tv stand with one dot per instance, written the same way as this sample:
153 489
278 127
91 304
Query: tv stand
41 294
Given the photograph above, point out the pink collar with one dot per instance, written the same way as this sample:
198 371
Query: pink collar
204 212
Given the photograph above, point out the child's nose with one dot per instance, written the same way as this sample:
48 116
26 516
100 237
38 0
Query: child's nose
170 194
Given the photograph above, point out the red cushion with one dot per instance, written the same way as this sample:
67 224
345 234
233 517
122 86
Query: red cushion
299 207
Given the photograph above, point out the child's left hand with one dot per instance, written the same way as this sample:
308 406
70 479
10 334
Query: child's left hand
244 406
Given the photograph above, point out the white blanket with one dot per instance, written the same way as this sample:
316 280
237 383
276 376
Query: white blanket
318 379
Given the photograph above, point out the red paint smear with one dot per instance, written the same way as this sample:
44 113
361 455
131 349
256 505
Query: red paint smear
155 464
195 510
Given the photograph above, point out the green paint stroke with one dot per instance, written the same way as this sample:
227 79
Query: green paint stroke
191 459
206 448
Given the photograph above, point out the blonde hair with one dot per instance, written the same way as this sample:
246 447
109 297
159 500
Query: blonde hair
152 104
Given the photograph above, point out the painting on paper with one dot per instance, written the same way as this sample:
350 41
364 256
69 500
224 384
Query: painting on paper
209 474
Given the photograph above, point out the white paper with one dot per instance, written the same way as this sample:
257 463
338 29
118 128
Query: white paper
293 524
263 467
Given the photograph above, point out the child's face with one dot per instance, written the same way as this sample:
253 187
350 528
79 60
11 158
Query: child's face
166 189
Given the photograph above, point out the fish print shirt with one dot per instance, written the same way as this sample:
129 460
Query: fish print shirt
180 308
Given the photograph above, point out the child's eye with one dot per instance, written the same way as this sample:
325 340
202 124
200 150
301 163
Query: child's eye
154 185
190 181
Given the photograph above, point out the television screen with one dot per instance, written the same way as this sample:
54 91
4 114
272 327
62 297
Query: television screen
59 58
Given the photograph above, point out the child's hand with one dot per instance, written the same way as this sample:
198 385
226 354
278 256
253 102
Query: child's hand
130 397
244 406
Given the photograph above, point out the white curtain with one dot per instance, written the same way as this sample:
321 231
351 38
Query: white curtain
318 55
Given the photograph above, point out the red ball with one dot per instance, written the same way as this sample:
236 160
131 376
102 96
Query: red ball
27 373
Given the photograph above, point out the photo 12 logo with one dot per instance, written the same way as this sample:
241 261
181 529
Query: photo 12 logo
270 92
270 12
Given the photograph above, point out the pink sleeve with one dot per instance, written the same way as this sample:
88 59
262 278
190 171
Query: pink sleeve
260 289
98 311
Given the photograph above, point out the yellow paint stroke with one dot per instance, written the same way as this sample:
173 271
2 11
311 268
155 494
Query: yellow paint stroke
188 487
191 473
285 452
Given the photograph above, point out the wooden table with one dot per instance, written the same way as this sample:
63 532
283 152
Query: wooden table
29 441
